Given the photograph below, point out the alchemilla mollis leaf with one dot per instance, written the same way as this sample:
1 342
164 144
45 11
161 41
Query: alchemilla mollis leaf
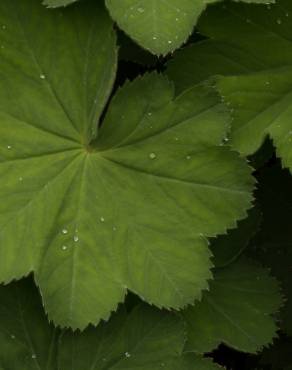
251 45
129 206
238 310
157 25
145 338
57 3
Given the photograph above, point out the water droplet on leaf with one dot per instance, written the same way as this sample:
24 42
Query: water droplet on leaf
152 155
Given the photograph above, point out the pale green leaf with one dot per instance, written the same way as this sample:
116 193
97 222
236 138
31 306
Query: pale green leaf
130 208
160 26
237 310
145 339
57 3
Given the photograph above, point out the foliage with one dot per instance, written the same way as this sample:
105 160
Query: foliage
132 235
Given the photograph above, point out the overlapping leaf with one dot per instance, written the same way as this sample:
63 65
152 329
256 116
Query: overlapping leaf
236 311
129 208
273 244
160 26
255 43
228 247
145 339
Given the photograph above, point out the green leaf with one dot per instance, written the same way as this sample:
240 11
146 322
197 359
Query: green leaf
159 26
273 244
262 105
27 340
130 208
252 46
236 311
145 339
190 361
57 3
201 60
227 248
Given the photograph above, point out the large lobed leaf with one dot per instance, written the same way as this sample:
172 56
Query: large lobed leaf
252 46
128 208
145 339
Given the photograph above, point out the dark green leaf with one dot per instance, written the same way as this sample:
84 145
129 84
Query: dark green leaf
237 310
145 339
252 46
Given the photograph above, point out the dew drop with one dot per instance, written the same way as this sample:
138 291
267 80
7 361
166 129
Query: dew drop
149 113
152 155
279 21
141 10
33 356
64 231
169 41
102 219
12 336
64 247
188 157
76 238
42 76
9 146
176 19
154 38
127 354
